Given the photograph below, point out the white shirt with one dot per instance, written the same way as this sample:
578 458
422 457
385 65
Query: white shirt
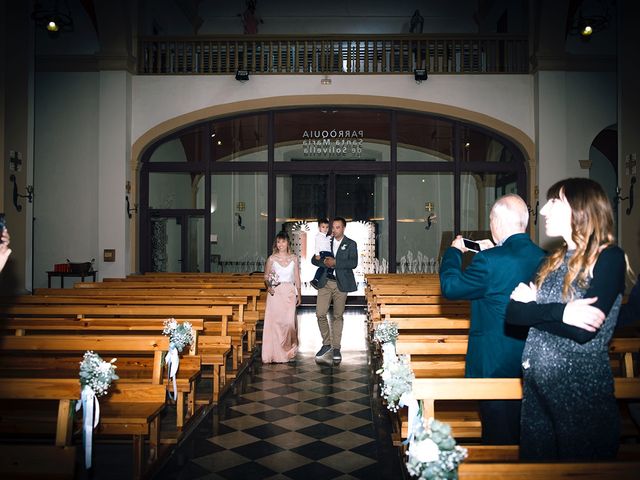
336 245
322 243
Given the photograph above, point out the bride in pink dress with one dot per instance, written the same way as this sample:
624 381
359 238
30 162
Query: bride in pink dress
282 277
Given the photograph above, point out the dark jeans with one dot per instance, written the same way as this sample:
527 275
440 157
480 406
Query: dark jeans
323 255
500 422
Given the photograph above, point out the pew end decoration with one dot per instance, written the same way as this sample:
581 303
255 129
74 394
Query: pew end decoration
180 335
386 332
96 376
433 453
397 378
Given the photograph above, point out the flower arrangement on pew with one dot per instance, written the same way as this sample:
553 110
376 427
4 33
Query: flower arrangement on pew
96 376
180 335
397 378
433 453
386 334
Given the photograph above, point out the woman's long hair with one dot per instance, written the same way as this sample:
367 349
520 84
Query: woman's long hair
591 230
283 235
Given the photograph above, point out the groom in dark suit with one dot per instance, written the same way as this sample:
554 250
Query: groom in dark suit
495 349
334 284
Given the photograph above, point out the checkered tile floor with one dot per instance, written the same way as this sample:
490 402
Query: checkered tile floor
296 421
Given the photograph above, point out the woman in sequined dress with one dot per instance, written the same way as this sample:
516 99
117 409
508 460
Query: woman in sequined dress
569 410
282 278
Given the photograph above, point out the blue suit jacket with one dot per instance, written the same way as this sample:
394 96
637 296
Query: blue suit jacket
346 260
495 349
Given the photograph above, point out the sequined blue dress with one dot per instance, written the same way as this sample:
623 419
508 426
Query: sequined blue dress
569 411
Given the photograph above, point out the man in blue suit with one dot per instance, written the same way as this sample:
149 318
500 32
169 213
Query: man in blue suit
334 284
495 349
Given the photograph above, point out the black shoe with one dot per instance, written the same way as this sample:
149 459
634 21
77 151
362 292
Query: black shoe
323 350
314 284
337 357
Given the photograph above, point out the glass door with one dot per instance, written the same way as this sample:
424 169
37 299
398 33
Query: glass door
176 243
302 199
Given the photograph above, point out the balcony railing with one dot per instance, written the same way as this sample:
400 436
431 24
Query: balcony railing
353 54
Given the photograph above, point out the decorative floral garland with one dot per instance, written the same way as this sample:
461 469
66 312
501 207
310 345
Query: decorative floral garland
433 453
397 379
96 376
386 332
180 335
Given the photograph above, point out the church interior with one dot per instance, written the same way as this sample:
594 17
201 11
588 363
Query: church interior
154 153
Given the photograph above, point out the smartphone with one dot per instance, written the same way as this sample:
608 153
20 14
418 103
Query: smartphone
471 245
2 224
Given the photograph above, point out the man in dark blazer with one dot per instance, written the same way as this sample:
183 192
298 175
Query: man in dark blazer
495 349
334 284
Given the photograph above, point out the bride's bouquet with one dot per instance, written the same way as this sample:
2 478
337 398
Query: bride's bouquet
273 280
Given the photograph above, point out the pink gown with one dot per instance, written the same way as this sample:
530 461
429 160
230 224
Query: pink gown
280 333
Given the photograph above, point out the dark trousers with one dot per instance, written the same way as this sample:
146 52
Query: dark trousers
323 255
500 422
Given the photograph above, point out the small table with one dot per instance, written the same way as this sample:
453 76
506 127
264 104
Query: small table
62 276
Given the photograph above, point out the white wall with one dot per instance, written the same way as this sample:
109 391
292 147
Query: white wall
87 132
66 170
573 107
505 97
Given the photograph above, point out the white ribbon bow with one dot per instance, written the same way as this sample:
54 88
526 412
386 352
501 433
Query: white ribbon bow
90 418
389 352
173 362
407 400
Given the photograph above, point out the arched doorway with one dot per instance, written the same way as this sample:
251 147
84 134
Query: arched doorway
217 191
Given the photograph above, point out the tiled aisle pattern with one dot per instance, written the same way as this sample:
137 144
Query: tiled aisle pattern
297 421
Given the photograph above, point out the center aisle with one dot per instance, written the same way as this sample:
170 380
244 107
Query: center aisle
297 421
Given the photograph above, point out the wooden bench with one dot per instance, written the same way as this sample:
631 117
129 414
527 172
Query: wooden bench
129 409
430 390
243 300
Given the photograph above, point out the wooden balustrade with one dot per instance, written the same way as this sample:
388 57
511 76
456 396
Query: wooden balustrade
334 54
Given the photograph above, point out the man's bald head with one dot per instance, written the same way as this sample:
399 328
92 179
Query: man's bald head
509 215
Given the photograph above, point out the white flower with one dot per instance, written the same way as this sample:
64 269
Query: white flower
424 451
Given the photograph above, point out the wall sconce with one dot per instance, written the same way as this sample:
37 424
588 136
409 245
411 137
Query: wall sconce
242 227
16 195
431 217
619 198
240 206
242 75
420 74
126 198
325 81
534 212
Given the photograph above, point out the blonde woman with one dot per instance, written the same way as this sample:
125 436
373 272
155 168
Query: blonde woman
282 278
569 411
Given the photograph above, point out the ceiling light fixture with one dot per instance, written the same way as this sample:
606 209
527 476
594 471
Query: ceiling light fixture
52 19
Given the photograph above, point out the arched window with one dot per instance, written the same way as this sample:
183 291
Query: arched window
214 194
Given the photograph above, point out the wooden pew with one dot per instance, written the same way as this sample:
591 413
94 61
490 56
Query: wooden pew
129 409
186 378
243 300
432 390
133 406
